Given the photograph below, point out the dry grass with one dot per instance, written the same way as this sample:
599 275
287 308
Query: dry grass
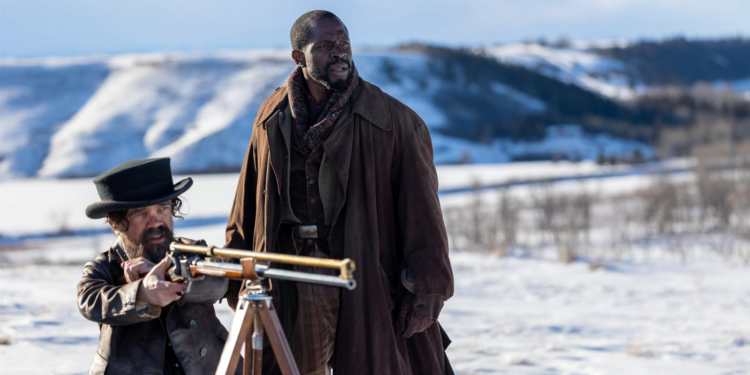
712 208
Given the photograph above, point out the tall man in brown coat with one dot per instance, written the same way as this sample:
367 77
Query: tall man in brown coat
337 168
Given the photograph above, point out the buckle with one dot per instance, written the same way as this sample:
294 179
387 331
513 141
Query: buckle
307 231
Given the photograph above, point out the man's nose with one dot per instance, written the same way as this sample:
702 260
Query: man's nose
153 219
338 52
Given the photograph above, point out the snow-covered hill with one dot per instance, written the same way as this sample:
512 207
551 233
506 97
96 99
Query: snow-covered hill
587 66
67 117
603 75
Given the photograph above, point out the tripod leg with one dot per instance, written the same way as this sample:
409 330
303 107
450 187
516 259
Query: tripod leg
280 346
256 358
247 367
241 324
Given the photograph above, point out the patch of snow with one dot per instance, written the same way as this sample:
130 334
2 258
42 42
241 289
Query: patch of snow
601 43
404 76
575 66
35 102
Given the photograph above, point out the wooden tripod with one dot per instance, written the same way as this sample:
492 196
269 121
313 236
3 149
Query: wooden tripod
255 314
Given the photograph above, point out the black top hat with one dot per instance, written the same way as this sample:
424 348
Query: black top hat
137 183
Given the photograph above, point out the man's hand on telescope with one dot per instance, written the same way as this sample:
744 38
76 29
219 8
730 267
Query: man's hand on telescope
155 290
135 268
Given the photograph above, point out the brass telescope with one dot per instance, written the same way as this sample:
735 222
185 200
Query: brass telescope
188 268
255 314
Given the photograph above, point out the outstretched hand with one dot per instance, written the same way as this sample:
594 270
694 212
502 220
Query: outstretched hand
155 290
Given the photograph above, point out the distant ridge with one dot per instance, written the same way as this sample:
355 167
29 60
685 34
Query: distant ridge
71 117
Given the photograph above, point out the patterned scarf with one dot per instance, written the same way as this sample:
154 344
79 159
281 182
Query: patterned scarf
310 132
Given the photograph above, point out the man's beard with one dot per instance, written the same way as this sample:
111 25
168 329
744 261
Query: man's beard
323 77
144 249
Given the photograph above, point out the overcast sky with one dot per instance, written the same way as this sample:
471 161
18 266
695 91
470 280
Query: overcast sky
87 27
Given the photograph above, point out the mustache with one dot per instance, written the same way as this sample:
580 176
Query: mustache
338 61
160 231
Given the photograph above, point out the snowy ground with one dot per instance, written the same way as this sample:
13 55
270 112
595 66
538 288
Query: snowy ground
513 315
25 215
530 316
508 316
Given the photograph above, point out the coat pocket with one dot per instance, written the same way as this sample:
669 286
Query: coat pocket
388 294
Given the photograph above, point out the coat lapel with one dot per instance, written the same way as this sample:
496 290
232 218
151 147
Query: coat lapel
368 108
277 147
338 149
116 252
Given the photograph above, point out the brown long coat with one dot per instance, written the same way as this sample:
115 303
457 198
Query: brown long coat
387 216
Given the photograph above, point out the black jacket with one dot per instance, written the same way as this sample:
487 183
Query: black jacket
134 344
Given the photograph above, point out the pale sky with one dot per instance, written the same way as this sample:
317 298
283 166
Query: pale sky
90 27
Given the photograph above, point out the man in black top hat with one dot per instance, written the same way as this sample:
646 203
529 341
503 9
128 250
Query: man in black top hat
146 323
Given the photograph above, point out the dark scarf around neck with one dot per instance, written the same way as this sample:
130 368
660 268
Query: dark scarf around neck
312 132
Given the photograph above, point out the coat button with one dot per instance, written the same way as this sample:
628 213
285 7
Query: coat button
180 303
203 352
193 324
143 342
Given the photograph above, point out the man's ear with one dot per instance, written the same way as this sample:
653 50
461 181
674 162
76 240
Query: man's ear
112 225
299 58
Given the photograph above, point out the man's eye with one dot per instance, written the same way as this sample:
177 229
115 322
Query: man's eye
324 45
164 208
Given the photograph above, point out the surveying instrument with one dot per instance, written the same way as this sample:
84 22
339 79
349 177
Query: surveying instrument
255 314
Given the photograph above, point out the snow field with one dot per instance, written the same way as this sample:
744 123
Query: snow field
536 316
641 311
23 212
510 315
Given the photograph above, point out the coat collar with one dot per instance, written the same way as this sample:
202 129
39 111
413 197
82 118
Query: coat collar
117 252
368 101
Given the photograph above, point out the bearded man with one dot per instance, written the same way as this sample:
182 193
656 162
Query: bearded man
337 168
146 324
